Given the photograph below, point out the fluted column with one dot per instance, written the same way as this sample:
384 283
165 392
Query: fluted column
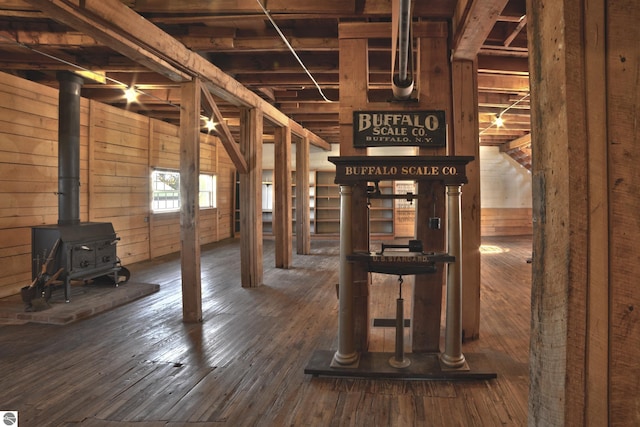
346 354
452 356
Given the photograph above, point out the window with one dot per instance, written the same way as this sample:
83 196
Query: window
207 198
166 191
267 196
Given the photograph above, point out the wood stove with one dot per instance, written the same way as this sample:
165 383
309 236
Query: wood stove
85 251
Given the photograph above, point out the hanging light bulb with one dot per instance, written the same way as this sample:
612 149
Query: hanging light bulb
499 122
131 94
210 125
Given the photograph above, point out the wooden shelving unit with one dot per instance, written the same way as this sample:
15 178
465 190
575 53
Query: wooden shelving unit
381 212
327 204
236 204
324 205
312 175
267 202
328 208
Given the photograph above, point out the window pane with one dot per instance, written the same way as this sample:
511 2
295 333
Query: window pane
166 190
207 196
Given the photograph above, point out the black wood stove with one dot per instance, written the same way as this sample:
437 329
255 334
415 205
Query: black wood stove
85 251
74 250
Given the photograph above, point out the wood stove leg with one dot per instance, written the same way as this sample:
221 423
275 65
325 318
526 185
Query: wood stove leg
67 289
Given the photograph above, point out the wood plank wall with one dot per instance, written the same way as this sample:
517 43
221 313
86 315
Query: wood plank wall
506 221
119 150
119 178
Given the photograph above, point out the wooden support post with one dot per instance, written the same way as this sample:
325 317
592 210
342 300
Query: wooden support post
434 75
282 227
584 116
251 254
303 213
465 143
427 293
353 95
189 208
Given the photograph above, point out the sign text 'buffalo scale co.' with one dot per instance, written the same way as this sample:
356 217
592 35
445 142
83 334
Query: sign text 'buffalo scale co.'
394 128
448 169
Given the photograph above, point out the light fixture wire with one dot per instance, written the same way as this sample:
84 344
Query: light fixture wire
284 39
504 111
63 61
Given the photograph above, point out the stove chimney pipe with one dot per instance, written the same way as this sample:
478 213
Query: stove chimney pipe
69 148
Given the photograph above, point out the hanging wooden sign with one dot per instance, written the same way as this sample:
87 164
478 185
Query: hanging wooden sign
391 128
448 169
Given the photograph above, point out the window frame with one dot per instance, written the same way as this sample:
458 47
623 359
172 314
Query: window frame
176 204
212 192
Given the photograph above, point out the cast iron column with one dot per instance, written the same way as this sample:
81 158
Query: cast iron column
452 356
346 354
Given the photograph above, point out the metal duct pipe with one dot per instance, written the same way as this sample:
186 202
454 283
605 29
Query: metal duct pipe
403 42
69 148
402 83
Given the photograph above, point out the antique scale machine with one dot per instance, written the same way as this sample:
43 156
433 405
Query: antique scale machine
415 117
400 260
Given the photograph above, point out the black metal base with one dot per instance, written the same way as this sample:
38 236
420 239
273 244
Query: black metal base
424 366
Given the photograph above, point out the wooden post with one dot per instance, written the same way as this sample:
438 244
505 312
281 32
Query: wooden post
189 208
427 292
621 63
353 95
434 75
584 96
251 253
465 143
282 227
303 216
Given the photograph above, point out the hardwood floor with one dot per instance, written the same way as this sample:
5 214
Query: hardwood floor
140 365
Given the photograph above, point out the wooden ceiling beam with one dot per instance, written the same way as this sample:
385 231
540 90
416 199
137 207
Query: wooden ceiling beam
119 27
258 44
518 65
518 143
67 40
78 19
516 31
514 52
373 30
228 142
341 8
473 22
286 79
503 83
311 108
248 6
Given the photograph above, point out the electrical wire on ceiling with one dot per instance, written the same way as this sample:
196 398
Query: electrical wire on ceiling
286 42
78 67
499 121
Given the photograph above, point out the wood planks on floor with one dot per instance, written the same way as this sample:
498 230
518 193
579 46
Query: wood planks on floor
243 365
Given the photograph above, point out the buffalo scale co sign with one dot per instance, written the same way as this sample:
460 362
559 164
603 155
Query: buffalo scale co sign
391 128
448 169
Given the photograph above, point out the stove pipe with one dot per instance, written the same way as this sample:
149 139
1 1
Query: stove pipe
69 148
